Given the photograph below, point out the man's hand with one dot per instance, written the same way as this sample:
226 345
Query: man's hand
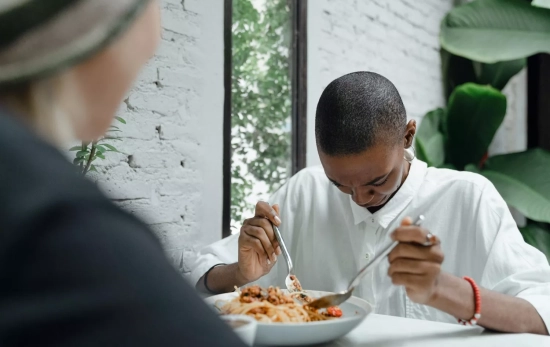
258 246
414 265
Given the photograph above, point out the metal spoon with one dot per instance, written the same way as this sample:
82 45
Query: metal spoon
291 281
338 298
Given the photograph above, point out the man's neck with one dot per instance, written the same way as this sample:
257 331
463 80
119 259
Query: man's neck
375 209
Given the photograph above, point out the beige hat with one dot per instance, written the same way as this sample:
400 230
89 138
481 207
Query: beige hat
41 37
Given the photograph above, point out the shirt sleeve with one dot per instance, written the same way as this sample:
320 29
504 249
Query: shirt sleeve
513 267
224 251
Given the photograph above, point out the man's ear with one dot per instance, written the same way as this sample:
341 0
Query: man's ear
410 131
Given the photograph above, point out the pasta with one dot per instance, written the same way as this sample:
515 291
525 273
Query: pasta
273 306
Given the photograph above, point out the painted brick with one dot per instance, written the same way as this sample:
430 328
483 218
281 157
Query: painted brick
192 55
170 52
172 132
149 75
175 236
192 5
126 190
181 78
140 125
173 21
150 212
154 102
177 188
155 160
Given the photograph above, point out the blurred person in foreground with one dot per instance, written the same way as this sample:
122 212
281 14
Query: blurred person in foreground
336 218
74 269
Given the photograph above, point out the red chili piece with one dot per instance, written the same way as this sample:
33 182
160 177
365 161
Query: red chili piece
334 311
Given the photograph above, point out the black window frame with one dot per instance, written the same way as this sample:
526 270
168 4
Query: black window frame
299 98
538 101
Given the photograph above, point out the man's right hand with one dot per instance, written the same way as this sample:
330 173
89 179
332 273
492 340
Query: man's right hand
258 246
258 251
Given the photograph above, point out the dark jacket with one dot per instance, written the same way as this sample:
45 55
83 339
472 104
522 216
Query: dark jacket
75 270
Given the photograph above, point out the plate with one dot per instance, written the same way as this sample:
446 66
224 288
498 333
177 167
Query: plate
354 311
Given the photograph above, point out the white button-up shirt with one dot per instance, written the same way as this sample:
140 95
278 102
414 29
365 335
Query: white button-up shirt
330 238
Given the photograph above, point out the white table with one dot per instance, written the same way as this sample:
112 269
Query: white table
387 331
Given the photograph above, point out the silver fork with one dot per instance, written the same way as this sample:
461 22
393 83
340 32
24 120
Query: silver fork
338 298
291 281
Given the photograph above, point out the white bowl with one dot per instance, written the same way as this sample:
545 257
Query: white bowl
354 310
244 326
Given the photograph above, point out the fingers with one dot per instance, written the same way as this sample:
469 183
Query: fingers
260 234
264 210
414 262
412 233
418 252
258 231
268 229
408 232
257 239
411 280
412 266
406 221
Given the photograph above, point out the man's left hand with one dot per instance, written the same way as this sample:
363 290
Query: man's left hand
413 264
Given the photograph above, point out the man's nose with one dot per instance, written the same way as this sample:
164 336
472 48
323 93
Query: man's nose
362 195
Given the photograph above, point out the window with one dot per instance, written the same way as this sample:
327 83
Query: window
265 114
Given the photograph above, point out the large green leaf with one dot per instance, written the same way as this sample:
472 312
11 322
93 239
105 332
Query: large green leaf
474 114
490 31
523 180
537 236
430 146
498 74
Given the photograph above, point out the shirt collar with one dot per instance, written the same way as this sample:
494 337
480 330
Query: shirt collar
399 201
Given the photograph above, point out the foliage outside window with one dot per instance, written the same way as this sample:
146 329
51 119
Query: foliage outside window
261 103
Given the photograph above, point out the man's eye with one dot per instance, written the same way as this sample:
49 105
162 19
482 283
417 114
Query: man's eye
336 184
381 183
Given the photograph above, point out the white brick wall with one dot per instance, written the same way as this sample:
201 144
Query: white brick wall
397 38
171 174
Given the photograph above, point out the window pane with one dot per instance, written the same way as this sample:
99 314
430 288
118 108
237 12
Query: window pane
261 103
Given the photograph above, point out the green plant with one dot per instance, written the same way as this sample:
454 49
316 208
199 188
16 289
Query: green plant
484 44
88 152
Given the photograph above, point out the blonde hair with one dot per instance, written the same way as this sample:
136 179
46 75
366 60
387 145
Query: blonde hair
40 105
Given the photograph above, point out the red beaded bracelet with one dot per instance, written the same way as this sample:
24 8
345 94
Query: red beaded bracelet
477 300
